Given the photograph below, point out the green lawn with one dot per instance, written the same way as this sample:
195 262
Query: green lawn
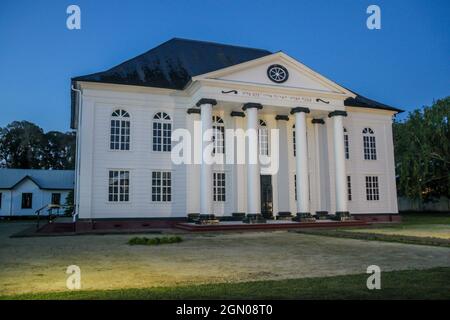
424 229
424 218
412 284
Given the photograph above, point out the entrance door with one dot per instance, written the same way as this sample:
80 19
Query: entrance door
266 196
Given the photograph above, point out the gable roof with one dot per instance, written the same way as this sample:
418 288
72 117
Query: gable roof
172 65
44 179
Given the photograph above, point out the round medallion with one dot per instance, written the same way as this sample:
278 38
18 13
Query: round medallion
277 73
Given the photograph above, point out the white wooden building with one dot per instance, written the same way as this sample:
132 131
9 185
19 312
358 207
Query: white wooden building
335 147
23 191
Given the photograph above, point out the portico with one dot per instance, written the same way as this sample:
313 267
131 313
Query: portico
252 111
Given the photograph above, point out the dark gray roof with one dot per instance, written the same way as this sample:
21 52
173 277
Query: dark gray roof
173 63
45 179
363 102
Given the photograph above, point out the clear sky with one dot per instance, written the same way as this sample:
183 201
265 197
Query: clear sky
406 64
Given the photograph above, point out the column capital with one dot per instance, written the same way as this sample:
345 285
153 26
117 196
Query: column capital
281 117
237 114
249 105
300 109
317 121
193 110
337 113
206 101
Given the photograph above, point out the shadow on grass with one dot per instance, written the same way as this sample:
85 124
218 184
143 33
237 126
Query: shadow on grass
411 284
428 241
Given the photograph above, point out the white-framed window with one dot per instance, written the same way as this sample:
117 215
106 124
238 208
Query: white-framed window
346 144
27 200
120 130
372 188
119 186
218 127
219 186
263 137
349 188
370 148
161 186
162 132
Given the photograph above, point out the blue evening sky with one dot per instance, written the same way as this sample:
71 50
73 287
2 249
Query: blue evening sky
405 64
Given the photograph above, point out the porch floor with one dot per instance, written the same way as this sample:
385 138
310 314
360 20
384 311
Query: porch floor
269 225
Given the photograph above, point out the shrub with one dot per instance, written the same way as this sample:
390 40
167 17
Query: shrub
153 241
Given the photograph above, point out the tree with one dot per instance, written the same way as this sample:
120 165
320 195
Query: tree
422 152
21 145
69 203
58 150
24 145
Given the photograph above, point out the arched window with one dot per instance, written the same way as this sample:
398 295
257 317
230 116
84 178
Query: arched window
218 134
120 130
370 148
263 137
346 144
162 132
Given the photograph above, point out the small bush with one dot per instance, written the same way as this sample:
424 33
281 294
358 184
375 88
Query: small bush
153 241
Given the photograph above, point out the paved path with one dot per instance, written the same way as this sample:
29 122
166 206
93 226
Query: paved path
107 262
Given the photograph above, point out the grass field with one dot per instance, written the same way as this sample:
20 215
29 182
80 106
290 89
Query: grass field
411 284
255 265
424 229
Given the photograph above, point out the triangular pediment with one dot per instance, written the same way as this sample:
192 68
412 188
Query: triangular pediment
257 72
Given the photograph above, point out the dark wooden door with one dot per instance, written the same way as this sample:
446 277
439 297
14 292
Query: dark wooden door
266 196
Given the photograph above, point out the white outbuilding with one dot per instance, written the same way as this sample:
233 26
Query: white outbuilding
24 191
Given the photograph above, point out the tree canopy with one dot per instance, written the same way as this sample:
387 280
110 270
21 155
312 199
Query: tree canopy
24 145
422 152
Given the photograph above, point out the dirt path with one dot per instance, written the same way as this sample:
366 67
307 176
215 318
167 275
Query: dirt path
107 262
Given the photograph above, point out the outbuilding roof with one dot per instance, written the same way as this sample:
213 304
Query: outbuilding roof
44 179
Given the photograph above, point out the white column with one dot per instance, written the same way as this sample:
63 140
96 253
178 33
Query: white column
193 171
253 170
339 160
301 160
282 175
206 204
238 169
318 163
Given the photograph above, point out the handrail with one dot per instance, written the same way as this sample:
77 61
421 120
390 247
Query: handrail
38 214
50 208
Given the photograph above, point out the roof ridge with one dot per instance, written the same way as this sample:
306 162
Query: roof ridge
218 44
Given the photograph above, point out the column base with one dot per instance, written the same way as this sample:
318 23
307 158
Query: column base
343 215
254 218
321 215
207 219
304 217
284 215
238 216
193 217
